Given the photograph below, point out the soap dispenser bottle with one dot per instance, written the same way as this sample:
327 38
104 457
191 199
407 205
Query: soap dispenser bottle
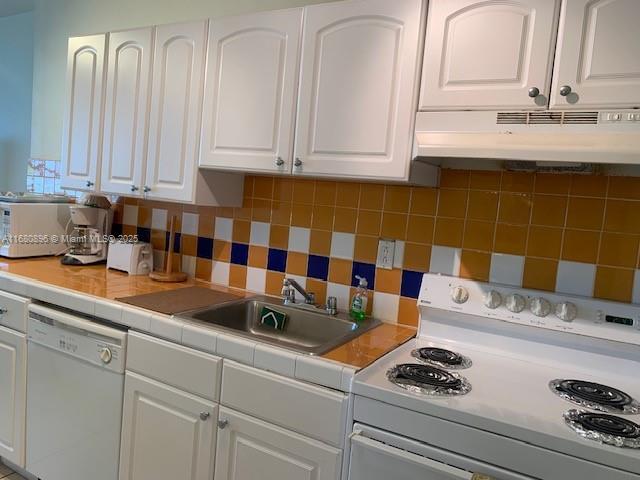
359 301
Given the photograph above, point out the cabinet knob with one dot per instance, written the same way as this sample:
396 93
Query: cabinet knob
279 162
3 311
204 416
134 188
90 183
298 162
565 90
534 92
146 189
222 424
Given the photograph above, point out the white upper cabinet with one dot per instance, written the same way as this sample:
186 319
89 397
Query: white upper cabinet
598 55
82 130
126 109
357 95
250 95
176 109
488 54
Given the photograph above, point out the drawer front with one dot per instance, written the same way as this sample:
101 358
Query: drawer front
313 411
189 370
13 311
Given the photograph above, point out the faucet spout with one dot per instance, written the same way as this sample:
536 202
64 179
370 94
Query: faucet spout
290 283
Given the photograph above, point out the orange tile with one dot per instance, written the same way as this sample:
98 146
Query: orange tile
510 239
325 193
581 246
485 180
345 220
273 285
424 200
347 194
283 189
517 182
544 242
303 190
257 256
619 250
281 213
622 216
394 225
483 205
340 271
478 235
366 249
474 265
371 196
388 281
263 187
261 210
322 217
369 222
449 232
450 178
279 237
221 251
241 231
301 215
320 242
243 213
552 183
452 203
297 263
540 274
588 185
408 312
624 187
203 269
420 229
129 229
144 216
397 198
514 208
417 257
614 284
237 276
249 181
549 210
189 245
586 213
319 289
158 239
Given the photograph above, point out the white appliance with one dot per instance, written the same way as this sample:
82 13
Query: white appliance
75 384
132 258
32 229
574 137
518 380
89 241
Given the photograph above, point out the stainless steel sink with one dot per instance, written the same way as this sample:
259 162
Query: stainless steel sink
306 330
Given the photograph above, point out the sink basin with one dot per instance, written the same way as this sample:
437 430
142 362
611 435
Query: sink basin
306 331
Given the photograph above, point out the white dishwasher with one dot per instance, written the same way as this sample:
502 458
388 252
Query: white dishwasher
75 383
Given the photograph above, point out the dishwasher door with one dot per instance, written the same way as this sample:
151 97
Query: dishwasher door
74 397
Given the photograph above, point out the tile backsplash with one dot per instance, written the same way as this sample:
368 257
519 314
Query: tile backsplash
577 234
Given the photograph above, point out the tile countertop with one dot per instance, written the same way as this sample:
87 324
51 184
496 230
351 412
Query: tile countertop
108 285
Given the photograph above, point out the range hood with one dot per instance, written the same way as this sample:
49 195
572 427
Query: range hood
565 138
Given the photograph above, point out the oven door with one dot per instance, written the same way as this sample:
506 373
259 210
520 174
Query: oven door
380 455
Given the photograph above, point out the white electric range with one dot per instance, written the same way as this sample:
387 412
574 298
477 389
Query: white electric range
518 380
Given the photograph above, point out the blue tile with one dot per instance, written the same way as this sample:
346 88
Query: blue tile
411 282
366 270
318 267
144 234
239 253
205 248
177 239
277 260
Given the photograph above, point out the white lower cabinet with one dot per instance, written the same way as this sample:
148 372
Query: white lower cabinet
13 376
250 449
167 434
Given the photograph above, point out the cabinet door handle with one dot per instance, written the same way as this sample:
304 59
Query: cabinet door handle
565 90
204 416
279 162
298 162
222 424
534 92
90 183
134 188
146 189
3 311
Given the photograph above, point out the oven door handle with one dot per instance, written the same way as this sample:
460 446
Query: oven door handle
435 466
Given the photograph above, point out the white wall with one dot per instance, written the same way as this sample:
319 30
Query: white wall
56 20
16 62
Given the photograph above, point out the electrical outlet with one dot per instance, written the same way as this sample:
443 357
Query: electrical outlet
386 253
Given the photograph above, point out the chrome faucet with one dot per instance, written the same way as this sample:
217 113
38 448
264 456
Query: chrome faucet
289 288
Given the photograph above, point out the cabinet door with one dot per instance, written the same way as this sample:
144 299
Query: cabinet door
13 375
250 96
249 449
488 55
176 110
598 55
83 116
126 109
357 89
166 433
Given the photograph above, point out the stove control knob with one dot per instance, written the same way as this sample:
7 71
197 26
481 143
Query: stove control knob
459 295
492 299
540 307
515 303
566 311
106 355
